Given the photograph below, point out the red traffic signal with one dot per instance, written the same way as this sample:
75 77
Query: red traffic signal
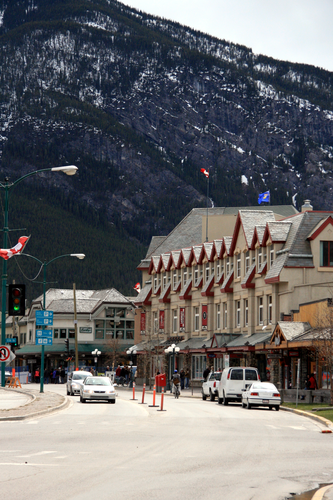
16 300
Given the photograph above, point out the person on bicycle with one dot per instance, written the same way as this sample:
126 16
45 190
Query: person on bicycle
176 381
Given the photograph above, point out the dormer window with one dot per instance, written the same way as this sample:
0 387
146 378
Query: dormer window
326 253
247 261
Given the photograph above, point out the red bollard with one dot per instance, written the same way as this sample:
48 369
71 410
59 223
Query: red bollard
133 399
143 395
162 400
154 397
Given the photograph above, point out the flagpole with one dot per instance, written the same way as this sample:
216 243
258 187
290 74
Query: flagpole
207 207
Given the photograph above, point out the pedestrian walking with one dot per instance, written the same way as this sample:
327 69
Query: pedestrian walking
37 375
182 379
187 378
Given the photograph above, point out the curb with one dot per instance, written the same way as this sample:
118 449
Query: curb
62 406
21 391
319 419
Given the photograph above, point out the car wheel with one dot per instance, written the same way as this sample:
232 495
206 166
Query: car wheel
112 401
68 393
243 404
270 407
277 408
225 401
72 393
82 399
248 406
211 396
204 397
219 400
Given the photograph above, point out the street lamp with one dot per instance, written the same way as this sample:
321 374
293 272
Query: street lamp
130 352
96 353
44 266
172 349
269 323
7 187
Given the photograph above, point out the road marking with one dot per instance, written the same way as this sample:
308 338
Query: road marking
37 454
29 464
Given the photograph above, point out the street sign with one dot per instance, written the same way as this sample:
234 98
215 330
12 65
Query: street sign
10 341
44 333
44 341
4 353
44 317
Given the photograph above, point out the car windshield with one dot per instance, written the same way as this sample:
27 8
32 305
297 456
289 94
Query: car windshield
97 381
79 376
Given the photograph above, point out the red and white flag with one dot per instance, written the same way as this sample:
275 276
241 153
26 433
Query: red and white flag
7 253
137 287
205 172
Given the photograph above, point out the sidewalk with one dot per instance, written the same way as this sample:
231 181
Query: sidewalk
19 404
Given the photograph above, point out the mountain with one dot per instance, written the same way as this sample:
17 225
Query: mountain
140 104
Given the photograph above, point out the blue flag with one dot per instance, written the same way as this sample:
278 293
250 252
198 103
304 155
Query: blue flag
264 197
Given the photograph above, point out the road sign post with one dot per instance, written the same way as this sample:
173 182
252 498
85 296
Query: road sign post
43 318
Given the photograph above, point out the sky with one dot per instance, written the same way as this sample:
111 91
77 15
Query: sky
290 30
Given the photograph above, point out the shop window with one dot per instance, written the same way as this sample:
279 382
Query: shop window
71 333
55 333
63 333
99 334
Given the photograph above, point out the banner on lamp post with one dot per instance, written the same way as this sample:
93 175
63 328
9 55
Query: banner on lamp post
204 319
143 323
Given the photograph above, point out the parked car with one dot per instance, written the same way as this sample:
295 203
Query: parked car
261 394
97 388
75 381
210 386
233 381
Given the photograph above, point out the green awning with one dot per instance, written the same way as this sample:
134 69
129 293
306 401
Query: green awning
61 349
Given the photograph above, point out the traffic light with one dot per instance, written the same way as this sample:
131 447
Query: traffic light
67 345
15 344
16 300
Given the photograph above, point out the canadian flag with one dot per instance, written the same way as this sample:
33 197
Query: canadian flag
7 253
137 287
205 172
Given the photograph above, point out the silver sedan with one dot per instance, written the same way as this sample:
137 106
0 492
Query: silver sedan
261 394
97 388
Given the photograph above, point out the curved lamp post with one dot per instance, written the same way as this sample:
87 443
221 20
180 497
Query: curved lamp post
172 349
44 265
7 187
96 353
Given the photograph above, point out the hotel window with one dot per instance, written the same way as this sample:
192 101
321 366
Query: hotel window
196 273
155 283
270 309
207 272
218 316
184 277
155 320
228 266
271 257
260 310
326 253
246 312
259 258
238 265
247 261
174 282
164 281
218 265
238 313
225 316
175 321
196 319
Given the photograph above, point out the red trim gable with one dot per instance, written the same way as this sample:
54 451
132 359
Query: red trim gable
235 234
164 297
185 293
207 290
248 283
328 221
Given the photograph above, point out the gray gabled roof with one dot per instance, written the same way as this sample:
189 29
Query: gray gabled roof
252 218
254 339
292 329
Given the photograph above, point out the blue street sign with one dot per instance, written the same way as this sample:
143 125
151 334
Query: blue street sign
44 341
10 341
44 317
44 333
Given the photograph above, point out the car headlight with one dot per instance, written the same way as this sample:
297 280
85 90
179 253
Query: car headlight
88 391
75 386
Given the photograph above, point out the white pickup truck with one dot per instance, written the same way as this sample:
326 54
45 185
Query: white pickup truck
210 387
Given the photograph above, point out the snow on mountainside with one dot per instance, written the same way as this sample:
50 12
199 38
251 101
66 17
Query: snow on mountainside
140 104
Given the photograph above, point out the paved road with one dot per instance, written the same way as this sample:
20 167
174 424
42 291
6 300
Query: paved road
193 450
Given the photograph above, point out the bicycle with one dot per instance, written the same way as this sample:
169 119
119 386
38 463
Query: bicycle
176 391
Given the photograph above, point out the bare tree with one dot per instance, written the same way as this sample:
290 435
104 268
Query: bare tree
112 351
323 341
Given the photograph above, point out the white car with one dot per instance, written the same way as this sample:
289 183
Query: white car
97 388
210 387
75 381
261 394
